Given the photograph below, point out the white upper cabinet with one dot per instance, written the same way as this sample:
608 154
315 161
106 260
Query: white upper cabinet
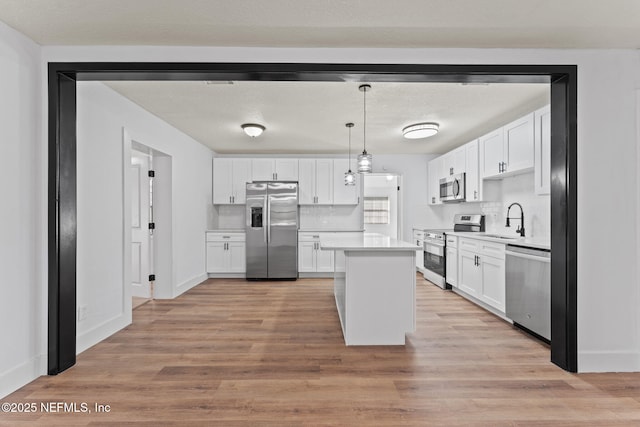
316 181
491 153
508 150
473 184
435 173
262 169
274 169
518 140
344 194
454 162
230 177
542 150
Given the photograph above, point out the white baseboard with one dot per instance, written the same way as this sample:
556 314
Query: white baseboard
315 275
106 329
186 285
22 374
608 361
226 275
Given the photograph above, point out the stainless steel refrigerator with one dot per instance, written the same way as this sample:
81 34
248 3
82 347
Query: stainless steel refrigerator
272 230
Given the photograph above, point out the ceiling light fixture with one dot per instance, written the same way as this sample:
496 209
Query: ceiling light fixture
420 130
365 161
253 129
349 177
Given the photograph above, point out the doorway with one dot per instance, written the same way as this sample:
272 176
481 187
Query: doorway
141 189
147 221
62 79
382 207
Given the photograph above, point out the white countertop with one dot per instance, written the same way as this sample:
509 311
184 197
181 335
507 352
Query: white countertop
366 242
529 242
227 230
329 230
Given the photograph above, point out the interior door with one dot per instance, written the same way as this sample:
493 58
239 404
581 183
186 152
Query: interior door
140 285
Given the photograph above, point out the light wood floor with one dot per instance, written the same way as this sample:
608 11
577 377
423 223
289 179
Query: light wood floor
230 352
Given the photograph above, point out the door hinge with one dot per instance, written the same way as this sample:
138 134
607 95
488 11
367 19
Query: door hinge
152 226
152 277
152 174
398 188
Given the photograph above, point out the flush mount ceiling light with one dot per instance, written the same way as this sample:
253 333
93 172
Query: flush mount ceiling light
349 177
252 129
365 161
420 130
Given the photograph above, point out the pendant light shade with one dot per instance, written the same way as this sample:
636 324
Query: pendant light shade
349 177
365 160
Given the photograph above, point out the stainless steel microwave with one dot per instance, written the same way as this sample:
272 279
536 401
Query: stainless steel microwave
452 188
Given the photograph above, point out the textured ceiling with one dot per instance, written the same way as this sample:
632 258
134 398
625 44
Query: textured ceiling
310 117
329 23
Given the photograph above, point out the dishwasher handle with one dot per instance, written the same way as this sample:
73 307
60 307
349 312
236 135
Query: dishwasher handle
543 257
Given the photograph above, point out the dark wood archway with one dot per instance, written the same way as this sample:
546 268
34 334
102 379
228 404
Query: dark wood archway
62 168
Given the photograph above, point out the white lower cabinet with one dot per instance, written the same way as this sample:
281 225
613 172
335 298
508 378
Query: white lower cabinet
226 252
451 260
312 259
493 281
481 271
469 276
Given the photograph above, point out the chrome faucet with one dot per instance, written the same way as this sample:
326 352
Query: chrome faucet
520 228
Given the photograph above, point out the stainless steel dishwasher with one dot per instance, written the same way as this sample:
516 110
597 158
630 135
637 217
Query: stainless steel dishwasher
528 289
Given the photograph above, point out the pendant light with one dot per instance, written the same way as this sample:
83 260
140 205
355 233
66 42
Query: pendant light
349 177
365 161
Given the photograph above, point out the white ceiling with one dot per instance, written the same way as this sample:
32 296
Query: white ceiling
310 117
329 23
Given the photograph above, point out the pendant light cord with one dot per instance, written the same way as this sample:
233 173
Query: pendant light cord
364 122
349 148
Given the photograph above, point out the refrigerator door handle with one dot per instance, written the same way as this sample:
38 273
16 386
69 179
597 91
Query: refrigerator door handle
265 211
268 208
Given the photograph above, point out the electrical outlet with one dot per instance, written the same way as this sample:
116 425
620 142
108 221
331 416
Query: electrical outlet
82 313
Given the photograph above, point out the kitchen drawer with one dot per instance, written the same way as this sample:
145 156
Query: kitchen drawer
418 234
452 241
226 237
495 250
472 245
313 237
309 237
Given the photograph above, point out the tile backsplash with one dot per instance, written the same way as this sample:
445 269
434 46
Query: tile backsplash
311 217
498 196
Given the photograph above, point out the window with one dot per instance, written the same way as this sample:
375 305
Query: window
376 210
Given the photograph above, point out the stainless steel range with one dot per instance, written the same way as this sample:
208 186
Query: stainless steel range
435 246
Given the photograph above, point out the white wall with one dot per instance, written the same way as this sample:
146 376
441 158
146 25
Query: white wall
22 214
102 114
607 260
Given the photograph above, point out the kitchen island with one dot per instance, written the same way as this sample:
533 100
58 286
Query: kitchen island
374 287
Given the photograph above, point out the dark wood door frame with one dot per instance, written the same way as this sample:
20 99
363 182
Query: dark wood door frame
62 168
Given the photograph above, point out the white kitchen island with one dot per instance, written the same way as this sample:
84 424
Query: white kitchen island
374 287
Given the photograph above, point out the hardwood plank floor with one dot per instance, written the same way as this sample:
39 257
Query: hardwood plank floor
230 352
